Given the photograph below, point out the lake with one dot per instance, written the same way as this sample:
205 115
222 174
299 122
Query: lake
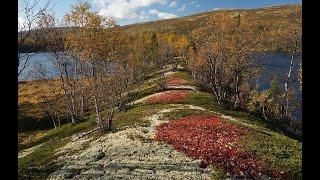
278 63
35 58
271 63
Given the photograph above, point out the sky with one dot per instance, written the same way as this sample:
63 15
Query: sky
135 11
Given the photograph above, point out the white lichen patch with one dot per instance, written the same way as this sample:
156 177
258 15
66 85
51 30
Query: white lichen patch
129 154
167 74
189 87
73 145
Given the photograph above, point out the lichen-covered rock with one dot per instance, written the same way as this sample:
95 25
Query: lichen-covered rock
128 154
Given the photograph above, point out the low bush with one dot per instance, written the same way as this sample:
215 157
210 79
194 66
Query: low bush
168 97
214 142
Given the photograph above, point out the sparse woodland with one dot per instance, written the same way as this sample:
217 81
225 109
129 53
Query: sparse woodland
102 68
218 54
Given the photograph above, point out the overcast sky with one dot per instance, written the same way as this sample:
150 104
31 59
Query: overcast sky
133 11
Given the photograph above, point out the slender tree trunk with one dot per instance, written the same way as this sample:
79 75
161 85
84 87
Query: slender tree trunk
56 114
73 119
96 109
73 109
59 122
54 122
216 86
98 115
52 116
96 100
264 113
237 93
82 95
74 91
109 123
286 88
81 106
62 67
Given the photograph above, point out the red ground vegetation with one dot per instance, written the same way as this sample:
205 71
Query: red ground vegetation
168 97
174 81
214 142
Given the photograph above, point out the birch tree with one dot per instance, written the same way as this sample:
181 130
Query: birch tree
51 100
88 45
292 47
29 11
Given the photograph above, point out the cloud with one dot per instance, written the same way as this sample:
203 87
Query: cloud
218 9
182 8
188 4
21 23
192 2
173 4
143 16
162 15
125 9
21 20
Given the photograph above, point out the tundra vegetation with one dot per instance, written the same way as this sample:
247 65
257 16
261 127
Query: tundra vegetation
103 69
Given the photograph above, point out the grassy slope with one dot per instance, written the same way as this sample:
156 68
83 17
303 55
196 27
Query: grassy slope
279 151
44 156
40 164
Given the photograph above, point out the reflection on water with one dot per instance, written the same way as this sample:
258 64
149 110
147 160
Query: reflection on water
277 63
37 58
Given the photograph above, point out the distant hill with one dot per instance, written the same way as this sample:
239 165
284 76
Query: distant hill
196 20
185 24
36 42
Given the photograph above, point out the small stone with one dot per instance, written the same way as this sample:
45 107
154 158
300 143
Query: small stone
142 171
93 172
99 156
67 175
123 171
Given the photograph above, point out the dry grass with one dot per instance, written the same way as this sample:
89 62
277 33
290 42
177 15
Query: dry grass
29 91
26 137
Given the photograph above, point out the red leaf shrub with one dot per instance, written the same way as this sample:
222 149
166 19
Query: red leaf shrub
168 97
214 142
174 81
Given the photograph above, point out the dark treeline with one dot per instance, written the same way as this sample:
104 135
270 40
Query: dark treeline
36 42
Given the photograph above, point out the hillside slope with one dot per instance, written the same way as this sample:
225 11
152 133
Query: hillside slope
186 23
270 18
179 133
